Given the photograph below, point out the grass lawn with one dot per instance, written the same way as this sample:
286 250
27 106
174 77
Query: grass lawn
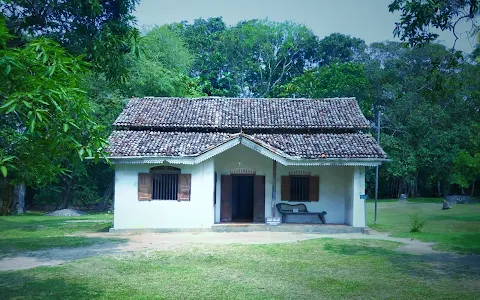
411 200
313 269
34 231
456 229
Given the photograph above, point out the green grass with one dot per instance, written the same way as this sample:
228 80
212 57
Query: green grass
411 200
314 269
34 231
456 229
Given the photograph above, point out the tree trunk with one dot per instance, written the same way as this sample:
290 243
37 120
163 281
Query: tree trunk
19 198
67 193
473 188
439 191
6 197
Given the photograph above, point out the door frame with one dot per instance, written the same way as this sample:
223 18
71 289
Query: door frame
226 197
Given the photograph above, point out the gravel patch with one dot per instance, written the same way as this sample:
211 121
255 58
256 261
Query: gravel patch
66 213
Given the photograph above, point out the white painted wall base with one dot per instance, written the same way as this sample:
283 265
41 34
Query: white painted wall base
196 213
339 192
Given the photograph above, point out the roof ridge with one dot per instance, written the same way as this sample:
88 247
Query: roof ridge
229 112
240 98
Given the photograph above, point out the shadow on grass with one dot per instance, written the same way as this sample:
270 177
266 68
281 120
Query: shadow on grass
41 285
14 246
427 266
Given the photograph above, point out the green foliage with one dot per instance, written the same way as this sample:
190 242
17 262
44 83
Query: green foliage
427 113
342 48
263 54
204 39
162 67
248 59
417 222
418 17
466 169
334 80
45 114
102 31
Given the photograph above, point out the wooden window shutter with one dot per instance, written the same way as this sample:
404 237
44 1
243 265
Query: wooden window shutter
184 187
285 188
226 198
259 199
144 186
314 188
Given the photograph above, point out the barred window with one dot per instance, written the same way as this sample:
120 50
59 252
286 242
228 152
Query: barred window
299 188
164 183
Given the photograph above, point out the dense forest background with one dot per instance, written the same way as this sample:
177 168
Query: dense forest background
68 67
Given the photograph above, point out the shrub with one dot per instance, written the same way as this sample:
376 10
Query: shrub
417 223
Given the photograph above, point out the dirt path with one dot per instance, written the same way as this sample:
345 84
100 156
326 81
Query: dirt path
148 242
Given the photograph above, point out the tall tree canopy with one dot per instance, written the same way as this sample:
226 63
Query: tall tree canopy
45 113
103 31
418 17
249 59
162 67
338 47
263 54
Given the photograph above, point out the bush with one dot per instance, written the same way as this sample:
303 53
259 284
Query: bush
417 223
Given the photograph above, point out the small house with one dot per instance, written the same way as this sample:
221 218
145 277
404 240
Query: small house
192 163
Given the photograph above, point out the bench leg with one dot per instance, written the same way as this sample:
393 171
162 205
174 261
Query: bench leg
322 218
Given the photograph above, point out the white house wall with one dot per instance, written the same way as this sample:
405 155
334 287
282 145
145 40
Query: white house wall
333 182
241 157
132 214
335 192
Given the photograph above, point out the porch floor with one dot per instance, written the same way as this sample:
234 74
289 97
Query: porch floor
286 227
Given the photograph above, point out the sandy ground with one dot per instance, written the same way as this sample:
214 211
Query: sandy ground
147 242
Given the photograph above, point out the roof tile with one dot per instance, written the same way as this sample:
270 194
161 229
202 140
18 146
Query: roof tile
307 146
247 113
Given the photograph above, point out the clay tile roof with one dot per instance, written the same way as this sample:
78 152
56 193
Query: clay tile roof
247 113
312 146
156 143
307 146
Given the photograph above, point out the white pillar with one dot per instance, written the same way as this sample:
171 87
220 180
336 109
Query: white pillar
358 185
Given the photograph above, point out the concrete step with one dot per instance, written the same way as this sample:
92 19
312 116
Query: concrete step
303 228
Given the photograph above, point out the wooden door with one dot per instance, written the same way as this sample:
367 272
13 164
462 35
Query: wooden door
226 199
259 199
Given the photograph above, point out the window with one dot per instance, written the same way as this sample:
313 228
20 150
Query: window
299 188
164 183
164 186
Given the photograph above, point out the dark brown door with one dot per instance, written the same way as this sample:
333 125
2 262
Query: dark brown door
259 199
226 199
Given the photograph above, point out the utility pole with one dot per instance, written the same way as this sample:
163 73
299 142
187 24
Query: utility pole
376 168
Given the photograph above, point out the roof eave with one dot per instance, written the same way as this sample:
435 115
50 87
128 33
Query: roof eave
253 144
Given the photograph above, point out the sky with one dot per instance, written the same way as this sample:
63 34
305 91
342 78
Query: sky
369 20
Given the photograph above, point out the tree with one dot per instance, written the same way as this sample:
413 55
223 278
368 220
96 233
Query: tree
427 111
45 113
263 54
466 170
203 38
103 31
342 48
334 80
162 67
419 16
